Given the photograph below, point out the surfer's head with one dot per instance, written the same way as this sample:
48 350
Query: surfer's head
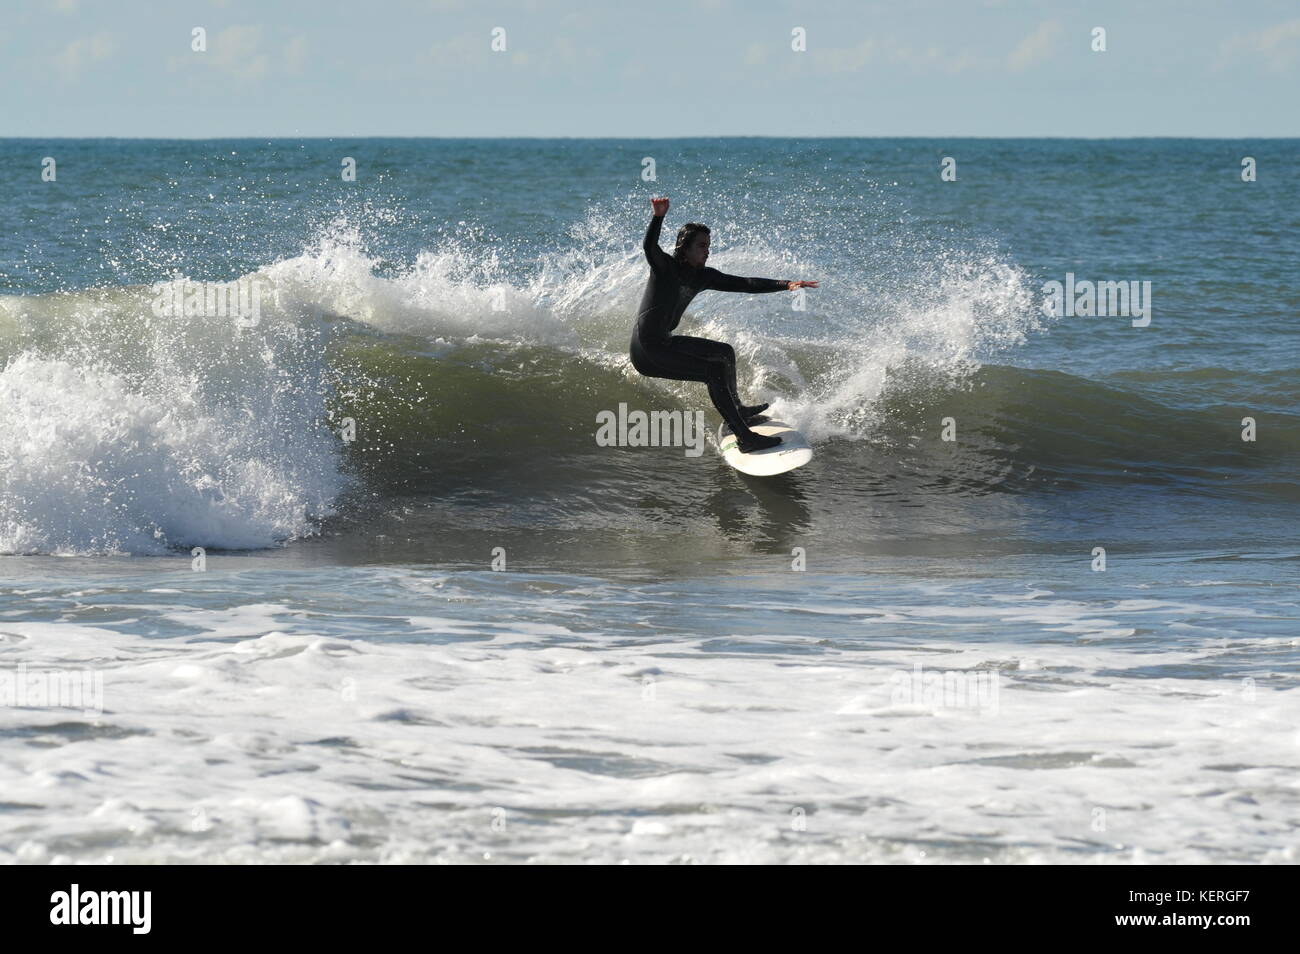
692 245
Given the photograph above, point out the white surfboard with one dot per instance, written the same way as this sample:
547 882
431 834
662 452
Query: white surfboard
793 451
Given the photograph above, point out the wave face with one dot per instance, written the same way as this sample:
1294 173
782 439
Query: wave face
471 372
127 432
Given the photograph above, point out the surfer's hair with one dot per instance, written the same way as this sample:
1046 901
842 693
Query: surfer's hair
685 236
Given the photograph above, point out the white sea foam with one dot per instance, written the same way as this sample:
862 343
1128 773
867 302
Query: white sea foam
124 431
272 734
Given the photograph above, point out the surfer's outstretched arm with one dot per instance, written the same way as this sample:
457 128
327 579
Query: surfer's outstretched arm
720 281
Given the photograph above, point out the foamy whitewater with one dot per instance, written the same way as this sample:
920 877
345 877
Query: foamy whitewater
467 632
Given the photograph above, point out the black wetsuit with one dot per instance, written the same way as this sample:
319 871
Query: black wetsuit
658 353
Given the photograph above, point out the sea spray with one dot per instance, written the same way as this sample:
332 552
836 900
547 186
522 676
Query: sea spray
125 430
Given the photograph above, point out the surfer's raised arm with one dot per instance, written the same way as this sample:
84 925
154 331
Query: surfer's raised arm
655 255
720 281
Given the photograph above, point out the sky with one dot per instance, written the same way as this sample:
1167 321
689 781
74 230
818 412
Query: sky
658 68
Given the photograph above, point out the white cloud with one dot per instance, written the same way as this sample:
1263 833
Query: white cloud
83 52
853 59
246 53
844 59
558 54
1278 46
461 50
1036 47
295 54
937 59
237 50
962 62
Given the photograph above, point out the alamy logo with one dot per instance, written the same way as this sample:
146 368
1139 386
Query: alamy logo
951 689
53 688
1101 299
656 429
240 299
103 907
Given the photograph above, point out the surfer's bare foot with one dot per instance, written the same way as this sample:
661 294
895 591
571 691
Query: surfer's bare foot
756 442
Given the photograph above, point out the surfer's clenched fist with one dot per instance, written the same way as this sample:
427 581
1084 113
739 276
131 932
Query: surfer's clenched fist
660 205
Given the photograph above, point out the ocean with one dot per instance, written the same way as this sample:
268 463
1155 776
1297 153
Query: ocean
346 575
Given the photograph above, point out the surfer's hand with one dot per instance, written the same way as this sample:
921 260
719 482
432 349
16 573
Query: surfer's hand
660 205
794 285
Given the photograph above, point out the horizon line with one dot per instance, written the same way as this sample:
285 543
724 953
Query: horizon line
623 138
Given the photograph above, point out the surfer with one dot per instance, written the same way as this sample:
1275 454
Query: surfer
658 353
